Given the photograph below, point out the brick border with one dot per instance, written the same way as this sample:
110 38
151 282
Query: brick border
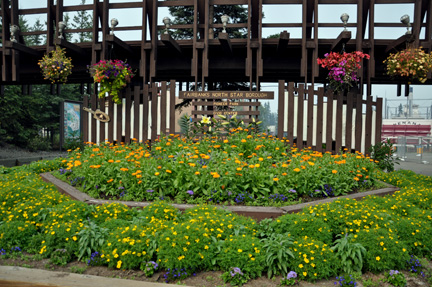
256 212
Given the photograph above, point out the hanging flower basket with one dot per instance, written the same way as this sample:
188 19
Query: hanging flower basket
412 64
342 68
113 76
55 66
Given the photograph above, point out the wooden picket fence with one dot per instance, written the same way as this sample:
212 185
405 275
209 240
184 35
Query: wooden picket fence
306 119
145 114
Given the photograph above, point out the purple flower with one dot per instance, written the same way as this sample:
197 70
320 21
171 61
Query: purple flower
291 275
292 191
393 272
190 192
150 190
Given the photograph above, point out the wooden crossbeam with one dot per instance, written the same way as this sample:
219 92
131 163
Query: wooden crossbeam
343 38
170 42
396 44
112 39
225 42
69 46
22 48
283 41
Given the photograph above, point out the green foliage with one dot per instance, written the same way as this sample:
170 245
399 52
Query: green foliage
91 238
382 153
350 254
16 233
313 259
244 252
39 143
185 124
384 249
395 278
235 277
278 253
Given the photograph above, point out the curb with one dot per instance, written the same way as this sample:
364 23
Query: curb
256 212
20 277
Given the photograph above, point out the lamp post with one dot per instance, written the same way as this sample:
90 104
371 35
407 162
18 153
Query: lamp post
405 19
224 19
344 18
167 23
114 23
61 27
14 29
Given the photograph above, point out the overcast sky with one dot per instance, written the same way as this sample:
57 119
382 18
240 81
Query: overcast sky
284 14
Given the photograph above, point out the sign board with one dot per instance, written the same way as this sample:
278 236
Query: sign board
70 120
226 95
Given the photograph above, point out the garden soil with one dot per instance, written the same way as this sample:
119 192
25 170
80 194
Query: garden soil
202 279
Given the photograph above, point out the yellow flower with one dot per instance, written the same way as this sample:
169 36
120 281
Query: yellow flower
304 274
297 169
205 120
300 265
119 263
240 250
378 258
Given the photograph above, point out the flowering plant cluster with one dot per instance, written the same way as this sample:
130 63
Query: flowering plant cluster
290 280
55 66
342 68
235 277
411 63
396 278
112 75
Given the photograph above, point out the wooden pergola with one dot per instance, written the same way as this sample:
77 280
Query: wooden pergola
158 57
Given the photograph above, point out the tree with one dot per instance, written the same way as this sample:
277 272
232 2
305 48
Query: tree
185 15
83 20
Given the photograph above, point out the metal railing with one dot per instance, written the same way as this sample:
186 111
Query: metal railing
413 149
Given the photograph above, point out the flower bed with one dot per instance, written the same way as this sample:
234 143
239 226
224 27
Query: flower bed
240 169
394 230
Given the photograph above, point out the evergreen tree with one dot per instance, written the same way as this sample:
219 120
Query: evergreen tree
83 20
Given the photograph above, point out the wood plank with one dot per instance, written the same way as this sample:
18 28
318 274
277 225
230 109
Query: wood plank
172 111
136 107
119 122
85 120
226 95
93 105
227 103
281 109
300 114
329 120
102 125
378 123
171 43
283 42
128 115
310 116
349 117
319 120
163 108
226 113
225 42
342 39
368 127
154 112
358 122
339 121
111 122
146 103
290 115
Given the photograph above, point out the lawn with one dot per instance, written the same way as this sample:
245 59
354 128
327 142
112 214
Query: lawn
345 237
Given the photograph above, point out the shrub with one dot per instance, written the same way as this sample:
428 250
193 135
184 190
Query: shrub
350 254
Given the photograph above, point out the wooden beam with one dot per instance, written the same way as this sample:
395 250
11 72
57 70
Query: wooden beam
22 48
112 39
69 46
342 39
170 42
396 44
225 42
283 42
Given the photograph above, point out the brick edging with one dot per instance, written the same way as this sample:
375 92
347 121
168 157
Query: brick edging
256 212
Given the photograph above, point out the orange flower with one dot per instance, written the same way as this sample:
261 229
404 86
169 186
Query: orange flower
296 169
356 179
157 173
334 171
275 179
77 163
110 180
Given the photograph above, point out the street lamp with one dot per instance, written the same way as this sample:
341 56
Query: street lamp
61 27
344 18
405 19
167 23
114 23
224 19
14 29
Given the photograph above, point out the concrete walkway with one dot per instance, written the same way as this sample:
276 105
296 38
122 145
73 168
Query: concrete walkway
13 276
